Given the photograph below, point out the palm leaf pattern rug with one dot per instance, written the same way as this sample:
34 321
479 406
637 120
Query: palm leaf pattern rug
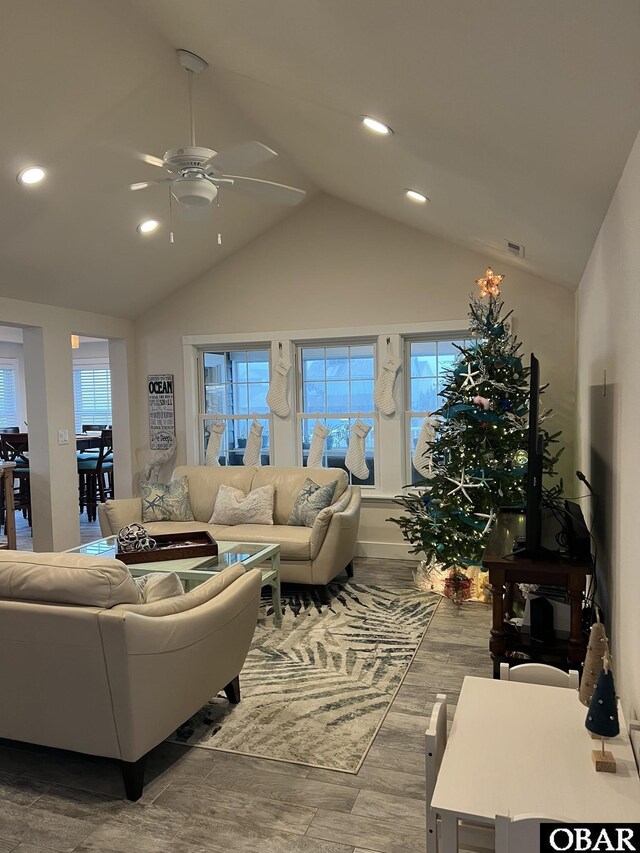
316 690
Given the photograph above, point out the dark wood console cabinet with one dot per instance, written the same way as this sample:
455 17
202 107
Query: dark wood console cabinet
505 569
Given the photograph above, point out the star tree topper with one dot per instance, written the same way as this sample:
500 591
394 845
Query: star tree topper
490 283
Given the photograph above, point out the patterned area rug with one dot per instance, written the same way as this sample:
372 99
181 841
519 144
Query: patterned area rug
316 690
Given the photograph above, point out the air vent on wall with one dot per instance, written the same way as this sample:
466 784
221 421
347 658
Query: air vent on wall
514 248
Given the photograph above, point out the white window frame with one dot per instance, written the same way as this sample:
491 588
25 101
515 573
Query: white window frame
324 416
10 363
100 363
449 337
220 416
286 447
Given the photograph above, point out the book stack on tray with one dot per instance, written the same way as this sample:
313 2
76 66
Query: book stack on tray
173 546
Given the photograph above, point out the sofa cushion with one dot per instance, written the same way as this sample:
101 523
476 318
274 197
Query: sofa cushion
289 481
293 541
311 499
157 586
204 482
122 512
181 603
166 501
66 579
234 507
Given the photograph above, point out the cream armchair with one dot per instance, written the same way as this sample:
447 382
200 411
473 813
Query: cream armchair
117 677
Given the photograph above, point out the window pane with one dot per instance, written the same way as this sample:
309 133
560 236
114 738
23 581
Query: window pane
337 362
313 363
361 395
313 397
423 358
424 395
258 398
362 362
238 361
258 366
214 399
337 396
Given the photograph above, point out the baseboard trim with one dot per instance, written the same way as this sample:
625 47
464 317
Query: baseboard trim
390 550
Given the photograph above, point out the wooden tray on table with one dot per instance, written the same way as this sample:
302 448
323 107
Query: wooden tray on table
173 546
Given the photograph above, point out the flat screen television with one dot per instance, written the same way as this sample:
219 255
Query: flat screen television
535 452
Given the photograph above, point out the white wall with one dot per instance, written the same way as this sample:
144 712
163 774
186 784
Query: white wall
332 264
608 313
49 391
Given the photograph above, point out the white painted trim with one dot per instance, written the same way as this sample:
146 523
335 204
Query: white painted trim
433 327
385 550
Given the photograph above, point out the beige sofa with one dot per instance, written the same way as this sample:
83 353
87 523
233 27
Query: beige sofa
309 555
85 667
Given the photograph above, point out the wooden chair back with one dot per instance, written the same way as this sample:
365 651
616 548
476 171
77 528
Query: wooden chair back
14 447
10 429
94 427
105 455
540 673
435 741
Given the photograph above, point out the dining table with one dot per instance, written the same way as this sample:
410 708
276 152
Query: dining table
522 749
87 440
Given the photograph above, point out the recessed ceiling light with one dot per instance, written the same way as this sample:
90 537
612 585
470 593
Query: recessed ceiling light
376 126
414 195
31 175
148 226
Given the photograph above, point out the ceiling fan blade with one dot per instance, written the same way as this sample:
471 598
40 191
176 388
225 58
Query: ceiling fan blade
239 158
266 190
142 185
152 160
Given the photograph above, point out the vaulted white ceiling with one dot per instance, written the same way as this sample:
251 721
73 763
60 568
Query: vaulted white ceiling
515 118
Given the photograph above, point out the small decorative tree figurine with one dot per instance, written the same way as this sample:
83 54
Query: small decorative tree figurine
597 649
602 718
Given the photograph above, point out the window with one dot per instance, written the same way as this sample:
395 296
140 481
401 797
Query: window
335 386
91 392
234 389
8 395
426 364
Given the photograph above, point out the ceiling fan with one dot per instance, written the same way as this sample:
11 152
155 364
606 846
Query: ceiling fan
197 173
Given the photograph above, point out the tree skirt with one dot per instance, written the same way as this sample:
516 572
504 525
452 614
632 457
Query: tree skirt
316 690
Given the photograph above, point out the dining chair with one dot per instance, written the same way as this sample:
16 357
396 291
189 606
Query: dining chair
94 427
14 447
95 475
540 673
10 429
473 837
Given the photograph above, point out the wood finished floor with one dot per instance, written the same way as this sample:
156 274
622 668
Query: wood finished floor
198 800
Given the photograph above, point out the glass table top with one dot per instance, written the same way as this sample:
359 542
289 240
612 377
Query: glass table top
250 554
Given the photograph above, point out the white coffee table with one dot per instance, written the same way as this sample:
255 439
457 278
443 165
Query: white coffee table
195 570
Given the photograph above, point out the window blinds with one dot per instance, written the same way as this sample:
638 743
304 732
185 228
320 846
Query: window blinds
8 398
91 396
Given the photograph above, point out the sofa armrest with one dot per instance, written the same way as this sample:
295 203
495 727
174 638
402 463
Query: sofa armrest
163 669
338 537
115 514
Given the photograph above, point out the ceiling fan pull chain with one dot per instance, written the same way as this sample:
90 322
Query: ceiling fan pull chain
171 240
192 120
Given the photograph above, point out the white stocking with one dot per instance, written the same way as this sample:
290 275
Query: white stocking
355 459
277 395
383 391
214 444
254 444
316 451
422 455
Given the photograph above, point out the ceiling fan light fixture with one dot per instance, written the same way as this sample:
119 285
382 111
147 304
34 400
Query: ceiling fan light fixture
414 195
194 192
376 126
31 175
148 226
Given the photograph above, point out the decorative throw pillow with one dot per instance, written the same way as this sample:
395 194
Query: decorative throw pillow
234 507
158 585
166 501
311 499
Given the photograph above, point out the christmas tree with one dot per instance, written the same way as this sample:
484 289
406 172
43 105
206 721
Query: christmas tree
477 459
602 717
